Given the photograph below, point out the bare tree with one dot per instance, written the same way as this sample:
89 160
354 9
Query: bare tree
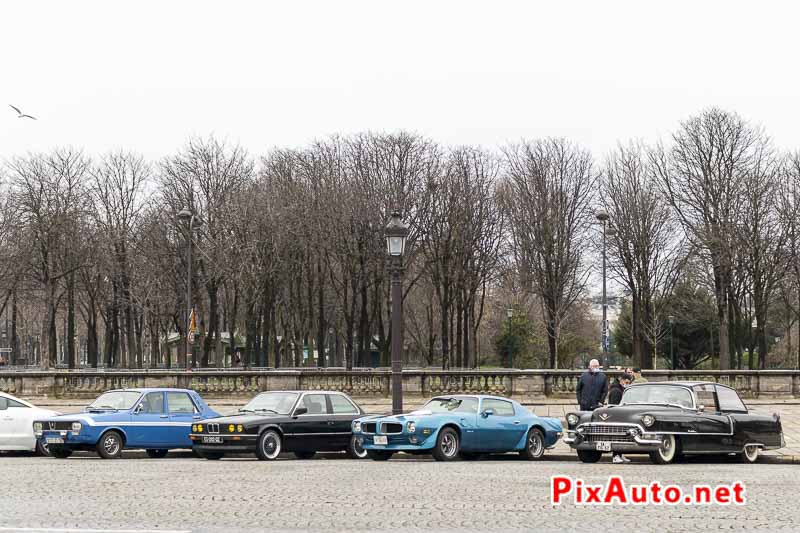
547 196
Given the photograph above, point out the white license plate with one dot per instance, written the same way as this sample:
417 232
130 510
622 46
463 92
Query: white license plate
602 446
54 440
212 440
381 440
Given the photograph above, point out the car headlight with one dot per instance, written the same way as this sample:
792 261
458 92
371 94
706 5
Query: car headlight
239 428
194 428
199 428
572 419
357 427
76 427
648 420
411 427
37 426
231 428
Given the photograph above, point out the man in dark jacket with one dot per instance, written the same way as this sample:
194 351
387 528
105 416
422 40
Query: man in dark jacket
592 387
616 389
614 397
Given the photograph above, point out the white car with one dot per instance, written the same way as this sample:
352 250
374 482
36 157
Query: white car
16 424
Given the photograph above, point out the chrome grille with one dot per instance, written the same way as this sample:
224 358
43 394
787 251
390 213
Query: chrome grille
391 427
607 433
213 427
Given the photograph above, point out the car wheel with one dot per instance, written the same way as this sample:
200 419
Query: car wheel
447 445
589 456
59 452
750 454
304 455
355 450
469 456
668 452
379 455
269 445
534 445
110 445
42 448
213 456
156 454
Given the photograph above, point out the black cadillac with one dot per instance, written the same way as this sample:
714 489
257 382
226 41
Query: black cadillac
669 419
302 422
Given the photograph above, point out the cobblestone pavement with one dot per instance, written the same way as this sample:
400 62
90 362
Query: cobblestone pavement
334 494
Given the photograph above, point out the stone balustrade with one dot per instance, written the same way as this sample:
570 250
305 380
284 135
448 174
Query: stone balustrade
526 385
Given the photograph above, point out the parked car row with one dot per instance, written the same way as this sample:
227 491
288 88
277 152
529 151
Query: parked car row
665 420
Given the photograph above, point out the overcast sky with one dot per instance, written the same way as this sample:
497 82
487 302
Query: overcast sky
147 75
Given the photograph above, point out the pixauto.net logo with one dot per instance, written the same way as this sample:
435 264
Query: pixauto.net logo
616 492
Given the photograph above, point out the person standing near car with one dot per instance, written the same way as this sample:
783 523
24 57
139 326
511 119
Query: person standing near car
614 397
592 387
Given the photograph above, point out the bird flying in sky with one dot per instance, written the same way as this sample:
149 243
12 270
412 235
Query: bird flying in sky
21 114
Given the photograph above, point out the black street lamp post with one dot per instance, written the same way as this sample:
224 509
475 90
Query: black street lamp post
603 217
192 222
510 315
396 234
671 320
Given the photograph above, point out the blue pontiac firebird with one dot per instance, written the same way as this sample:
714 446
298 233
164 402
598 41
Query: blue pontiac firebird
154 419
462 425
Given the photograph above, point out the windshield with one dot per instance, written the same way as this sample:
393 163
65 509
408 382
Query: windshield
452 405
116 400
272 402
659 394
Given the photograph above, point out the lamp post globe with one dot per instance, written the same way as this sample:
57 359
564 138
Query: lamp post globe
396 236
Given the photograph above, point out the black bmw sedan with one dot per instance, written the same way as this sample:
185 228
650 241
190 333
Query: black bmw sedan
300 422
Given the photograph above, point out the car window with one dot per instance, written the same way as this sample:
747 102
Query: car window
3 403
705 397
315 403
179 402
657 394
729 400
15 403
123 399
341 405
152 403
452 405
501 407
271 402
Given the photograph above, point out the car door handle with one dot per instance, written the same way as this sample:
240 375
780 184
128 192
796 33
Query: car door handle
331 422
196 417
164 416
517 422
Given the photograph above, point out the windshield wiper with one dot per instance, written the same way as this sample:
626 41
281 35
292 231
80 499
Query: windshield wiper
658 403
262 410
103 407
243 410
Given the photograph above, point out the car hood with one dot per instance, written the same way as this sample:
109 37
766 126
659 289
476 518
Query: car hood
88 418
244 419
632 413
414 416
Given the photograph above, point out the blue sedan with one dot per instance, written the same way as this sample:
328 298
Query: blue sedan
462 425
157 420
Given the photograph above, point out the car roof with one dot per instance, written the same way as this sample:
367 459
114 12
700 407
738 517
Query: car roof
484 396
150 389
679 383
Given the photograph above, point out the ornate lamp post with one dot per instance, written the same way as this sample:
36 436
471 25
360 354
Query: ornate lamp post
396 234
192 222
671 320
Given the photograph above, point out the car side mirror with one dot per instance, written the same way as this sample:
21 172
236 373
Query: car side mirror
487 412
138 409
300 411
701 408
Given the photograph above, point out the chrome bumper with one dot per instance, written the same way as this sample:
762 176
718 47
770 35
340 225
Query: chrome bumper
573 437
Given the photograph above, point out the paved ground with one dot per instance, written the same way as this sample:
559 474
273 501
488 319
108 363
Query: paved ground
335 494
